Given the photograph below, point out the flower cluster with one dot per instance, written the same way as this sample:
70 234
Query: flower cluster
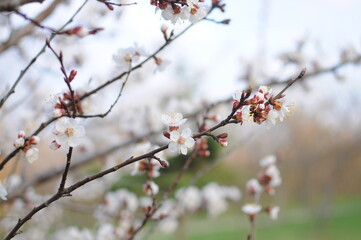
27 146
61 104
266 182
180 141
68 131
191 10
259 108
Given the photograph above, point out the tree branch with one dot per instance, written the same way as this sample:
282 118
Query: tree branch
10 5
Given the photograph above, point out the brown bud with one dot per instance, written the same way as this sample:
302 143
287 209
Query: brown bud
226 21
204 153
164 164
222 135
166 134
72 75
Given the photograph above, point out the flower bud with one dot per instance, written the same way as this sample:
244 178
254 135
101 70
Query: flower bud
204 153
164 164
19 142
223 142
72 75
21 134
34 140
166 134
222 135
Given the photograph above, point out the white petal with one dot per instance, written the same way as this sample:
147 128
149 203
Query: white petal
79 131
174 136
184 150
173 147
186 133
73 141
189 142
61 139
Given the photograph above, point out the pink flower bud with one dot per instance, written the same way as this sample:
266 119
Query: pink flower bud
164 164
222 135
223 142
34 140
21 134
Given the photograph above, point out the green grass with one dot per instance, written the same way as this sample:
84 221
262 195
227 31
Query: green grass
294 224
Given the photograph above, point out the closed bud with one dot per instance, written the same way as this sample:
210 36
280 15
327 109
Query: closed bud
166 134
21 134
164 164
34 140
164 29
72 75
222 135
204 153
226 21
223 142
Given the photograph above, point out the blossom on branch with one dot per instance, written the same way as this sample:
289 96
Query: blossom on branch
126 56
180 142
32 155
68 131
173 120
251 209
193 11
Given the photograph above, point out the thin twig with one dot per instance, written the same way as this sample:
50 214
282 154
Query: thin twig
32 61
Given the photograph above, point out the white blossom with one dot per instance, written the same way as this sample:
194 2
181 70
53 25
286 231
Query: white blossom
126 56
273 173
19 142
3 192
180 142
267 161
254 187
273 212
251 208
150 188
106 232
168 225
68 132
283 112
32 155
272 118
189 198
173 119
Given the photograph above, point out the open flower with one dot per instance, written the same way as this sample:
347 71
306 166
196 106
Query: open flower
150 188
251 209
173 120
68 131
254 187
126 56
32 155
180 142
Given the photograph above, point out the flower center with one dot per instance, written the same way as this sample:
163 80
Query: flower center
127 58
181 141
69 132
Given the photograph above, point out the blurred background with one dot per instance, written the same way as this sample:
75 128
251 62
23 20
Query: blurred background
318 146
